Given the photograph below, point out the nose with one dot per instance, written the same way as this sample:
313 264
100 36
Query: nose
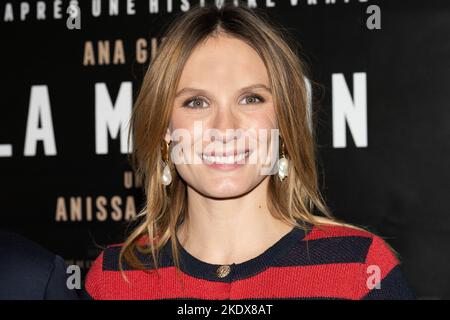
225 126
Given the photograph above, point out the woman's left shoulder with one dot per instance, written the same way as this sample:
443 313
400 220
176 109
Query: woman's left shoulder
376 246
380 275
377 250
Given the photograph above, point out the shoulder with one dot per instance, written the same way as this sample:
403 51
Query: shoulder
25 258
370 246
107 260
105 275
25 252
378 274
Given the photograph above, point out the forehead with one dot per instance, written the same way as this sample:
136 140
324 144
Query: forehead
223 62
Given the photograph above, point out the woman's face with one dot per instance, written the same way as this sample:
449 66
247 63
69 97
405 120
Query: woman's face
214 95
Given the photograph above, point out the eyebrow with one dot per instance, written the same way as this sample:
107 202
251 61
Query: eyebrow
251 87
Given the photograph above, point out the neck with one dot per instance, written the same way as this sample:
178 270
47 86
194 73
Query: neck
225 231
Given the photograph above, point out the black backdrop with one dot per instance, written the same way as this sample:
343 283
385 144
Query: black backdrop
384 159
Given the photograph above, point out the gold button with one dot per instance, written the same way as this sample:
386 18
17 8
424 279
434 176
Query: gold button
223 271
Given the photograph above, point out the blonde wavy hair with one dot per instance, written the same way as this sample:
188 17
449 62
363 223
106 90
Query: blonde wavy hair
295 200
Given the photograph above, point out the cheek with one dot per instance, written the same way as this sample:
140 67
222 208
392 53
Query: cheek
267 138
177 120
264 118
182 130
264 123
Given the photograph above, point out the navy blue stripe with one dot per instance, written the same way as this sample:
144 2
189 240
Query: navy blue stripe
347 249
111 259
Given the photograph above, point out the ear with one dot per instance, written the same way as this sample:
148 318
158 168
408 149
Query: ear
168 136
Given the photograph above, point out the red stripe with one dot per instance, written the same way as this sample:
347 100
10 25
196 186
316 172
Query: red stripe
93 278
380 256
148 286
336 231
331 280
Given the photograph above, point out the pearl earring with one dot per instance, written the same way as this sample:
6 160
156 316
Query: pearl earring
283 164
166 176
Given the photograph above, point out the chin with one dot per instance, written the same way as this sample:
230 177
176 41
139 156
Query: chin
225 194
222 190
222 185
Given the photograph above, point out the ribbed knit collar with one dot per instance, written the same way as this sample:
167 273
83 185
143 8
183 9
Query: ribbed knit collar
203 270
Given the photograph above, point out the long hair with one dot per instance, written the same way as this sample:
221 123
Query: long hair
296 200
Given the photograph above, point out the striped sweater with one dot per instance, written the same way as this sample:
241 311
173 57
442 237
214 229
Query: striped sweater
330 262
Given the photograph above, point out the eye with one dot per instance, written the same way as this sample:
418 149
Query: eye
194 103
251 99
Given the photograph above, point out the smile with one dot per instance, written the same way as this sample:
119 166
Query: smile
225 159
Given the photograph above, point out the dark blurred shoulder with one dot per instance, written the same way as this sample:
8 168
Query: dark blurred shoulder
29 271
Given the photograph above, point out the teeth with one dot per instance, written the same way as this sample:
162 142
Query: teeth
225 159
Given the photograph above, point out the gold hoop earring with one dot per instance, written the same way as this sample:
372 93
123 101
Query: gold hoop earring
166 177
283 163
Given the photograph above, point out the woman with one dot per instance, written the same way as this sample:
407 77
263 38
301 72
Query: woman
234 227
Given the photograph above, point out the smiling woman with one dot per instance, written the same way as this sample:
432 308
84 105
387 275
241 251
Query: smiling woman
215 226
